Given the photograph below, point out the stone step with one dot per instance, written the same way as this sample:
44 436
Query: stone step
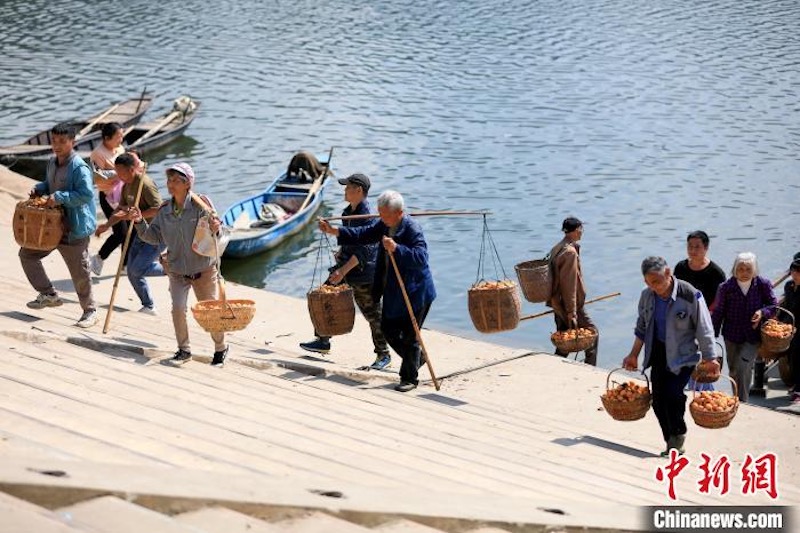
109 514
62 379
405 526
20 516
317 522
550 471
69 400
223 520
116 386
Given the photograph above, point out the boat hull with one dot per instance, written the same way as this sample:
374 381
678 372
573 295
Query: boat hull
245 242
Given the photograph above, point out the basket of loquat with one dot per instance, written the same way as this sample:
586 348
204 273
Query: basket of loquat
627 401
714 409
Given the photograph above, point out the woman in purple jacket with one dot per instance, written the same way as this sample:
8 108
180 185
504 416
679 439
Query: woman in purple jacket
742 302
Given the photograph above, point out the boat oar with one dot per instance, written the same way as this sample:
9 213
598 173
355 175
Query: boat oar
141 99
544 313
86 129
415 214
122 257
317 182
152 131
413 320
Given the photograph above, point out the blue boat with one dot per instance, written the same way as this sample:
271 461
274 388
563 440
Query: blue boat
263 221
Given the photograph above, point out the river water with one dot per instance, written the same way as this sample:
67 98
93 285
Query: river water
645 119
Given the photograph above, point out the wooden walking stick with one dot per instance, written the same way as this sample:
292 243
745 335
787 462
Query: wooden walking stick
550 312
122 256
413 320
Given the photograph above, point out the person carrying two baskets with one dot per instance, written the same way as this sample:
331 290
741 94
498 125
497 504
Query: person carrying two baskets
568 292
355 264
174 226
401 236
675 328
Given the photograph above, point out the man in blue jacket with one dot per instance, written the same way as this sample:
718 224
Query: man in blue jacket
675 328
402 237
68 183
355 264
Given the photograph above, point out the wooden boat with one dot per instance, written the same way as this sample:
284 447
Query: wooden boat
252 234
127 112
147 136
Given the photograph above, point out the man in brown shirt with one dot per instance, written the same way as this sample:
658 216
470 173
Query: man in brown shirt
568 293
142 257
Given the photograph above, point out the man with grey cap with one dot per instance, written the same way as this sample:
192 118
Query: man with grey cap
568 292
355 264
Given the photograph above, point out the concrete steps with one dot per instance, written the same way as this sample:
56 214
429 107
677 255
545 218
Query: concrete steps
222 520
20 516
109 514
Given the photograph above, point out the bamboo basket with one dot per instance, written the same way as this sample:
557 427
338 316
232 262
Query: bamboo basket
534 279
776 345
332 312
217 316
494 306
714 419
626 411
38 227
577 344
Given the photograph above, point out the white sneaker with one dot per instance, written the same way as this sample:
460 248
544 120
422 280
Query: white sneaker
96 264
88 319
149 311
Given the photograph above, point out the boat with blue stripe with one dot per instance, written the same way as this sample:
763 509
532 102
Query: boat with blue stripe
265 220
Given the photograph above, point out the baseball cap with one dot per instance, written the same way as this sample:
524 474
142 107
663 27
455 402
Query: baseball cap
357 179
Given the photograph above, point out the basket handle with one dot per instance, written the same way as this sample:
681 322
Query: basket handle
735 388
608 378
787 312
221 281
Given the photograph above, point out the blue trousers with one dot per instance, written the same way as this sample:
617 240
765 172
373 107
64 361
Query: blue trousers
143 262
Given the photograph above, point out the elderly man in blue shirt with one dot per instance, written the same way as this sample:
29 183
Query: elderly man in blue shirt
675 328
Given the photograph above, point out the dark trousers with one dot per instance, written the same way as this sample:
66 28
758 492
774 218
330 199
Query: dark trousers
583 322
118 231
400 335
669 401
371 309
794 362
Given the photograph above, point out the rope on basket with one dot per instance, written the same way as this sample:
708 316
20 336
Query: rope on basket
324 243
486 236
